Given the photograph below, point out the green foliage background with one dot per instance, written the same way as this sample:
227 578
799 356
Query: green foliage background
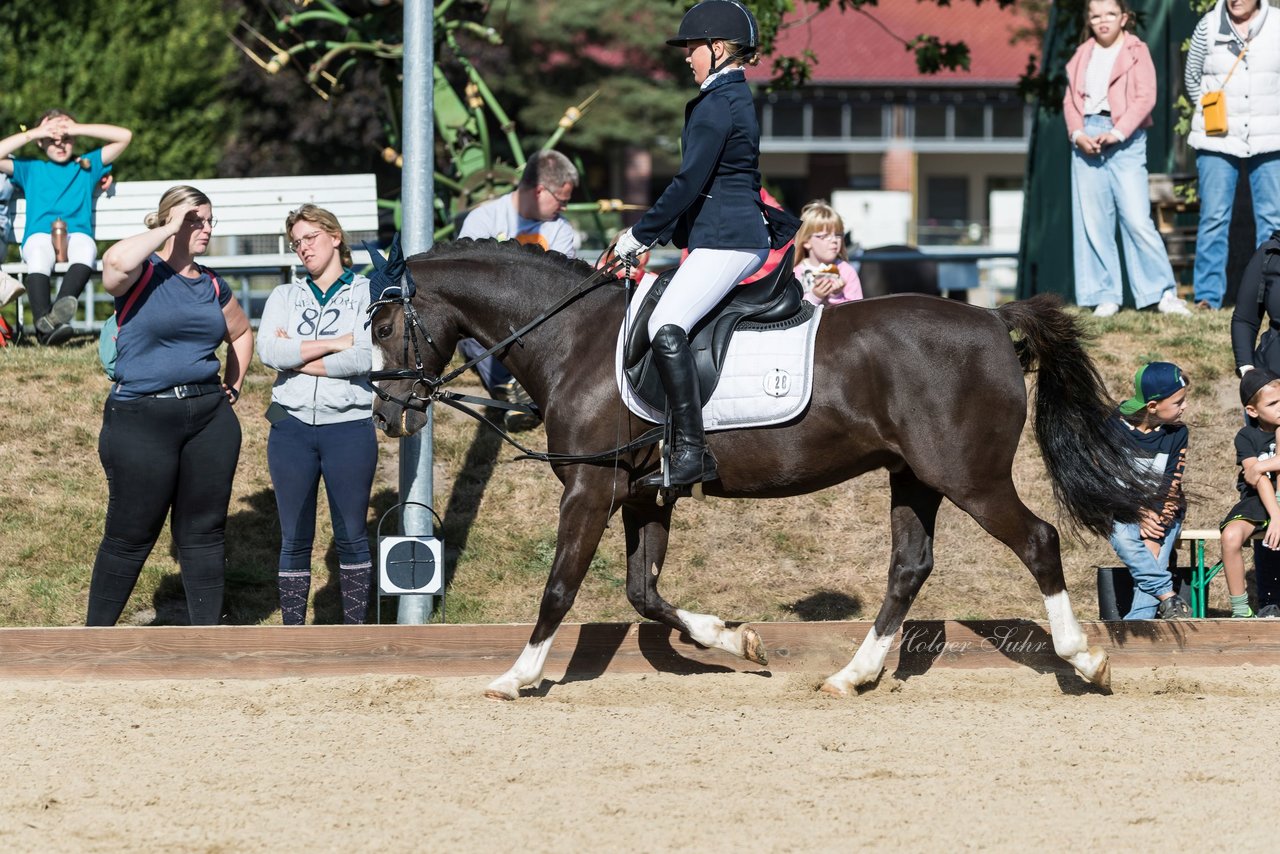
154 66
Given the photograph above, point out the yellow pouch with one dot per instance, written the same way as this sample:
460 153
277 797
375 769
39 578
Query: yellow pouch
1214 105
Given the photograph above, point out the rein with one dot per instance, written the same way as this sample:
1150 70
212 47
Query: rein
434 386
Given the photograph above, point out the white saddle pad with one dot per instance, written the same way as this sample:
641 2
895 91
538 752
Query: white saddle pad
767 377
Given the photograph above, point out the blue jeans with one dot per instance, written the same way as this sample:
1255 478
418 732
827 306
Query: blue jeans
1115 182
492 372
1151 576
1218 176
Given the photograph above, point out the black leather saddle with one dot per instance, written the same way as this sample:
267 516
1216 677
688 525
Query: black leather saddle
774 302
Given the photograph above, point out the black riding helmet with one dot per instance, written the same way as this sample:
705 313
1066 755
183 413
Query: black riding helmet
718 19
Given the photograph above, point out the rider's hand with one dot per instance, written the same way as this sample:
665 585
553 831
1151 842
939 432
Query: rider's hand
627 246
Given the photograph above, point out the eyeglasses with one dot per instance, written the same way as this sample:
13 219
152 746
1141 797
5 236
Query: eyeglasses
1105 16
563 201
305 240
826 235
201 223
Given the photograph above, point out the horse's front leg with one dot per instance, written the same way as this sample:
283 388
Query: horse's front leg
648 530
913 516
584 509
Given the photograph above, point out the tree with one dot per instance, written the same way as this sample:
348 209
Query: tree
155 66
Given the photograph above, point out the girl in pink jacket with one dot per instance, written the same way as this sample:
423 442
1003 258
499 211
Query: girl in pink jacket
1111 91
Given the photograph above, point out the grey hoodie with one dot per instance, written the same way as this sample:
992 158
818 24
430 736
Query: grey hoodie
345 394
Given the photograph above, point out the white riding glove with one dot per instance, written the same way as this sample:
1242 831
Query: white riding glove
628 247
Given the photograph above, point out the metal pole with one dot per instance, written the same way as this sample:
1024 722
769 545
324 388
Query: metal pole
416 194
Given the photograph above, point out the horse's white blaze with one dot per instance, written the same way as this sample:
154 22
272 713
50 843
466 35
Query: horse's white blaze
710 631
525 672
866 665
1069 641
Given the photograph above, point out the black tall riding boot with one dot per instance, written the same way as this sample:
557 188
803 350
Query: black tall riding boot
38 294
689 460
74 281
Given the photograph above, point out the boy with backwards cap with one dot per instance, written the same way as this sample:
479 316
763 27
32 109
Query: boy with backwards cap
1152 422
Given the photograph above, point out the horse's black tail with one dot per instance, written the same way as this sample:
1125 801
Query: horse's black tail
1090 464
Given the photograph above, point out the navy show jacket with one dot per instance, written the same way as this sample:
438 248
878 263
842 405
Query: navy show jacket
714 201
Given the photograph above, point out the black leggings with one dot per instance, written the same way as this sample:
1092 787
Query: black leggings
162 454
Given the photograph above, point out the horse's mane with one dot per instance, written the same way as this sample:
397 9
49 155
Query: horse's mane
489 249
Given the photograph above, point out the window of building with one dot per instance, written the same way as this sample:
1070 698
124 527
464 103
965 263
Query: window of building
947 201
788 118
866 121
971 121
1007 121
931 120
828 117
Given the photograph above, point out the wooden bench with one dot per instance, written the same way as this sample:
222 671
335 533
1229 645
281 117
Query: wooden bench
249 238
1202 572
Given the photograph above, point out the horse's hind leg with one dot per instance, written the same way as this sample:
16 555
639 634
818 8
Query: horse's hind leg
583 514
913 515
1003 515
648 529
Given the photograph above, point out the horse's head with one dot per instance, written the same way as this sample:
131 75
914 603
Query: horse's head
412 343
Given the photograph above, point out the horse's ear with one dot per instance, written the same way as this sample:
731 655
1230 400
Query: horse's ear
388 272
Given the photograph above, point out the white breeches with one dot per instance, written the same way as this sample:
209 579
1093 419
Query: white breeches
38 254
704 279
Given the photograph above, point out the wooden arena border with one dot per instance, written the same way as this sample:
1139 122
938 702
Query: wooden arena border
582 651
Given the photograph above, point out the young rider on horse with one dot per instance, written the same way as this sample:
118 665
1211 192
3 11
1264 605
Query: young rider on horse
711 207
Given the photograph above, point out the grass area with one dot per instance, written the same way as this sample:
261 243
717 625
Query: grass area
822 556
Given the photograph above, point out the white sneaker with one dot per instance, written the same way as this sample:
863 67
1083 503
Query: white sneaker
1105 309
1170 304
10 289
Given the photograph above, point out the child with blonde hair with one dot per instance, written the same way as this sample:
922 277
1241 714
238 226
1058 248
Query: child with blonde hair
821 262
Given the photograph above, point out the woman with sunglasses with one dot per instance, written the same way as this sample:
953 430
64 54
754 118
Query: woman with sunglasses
169 442
60 187
315 335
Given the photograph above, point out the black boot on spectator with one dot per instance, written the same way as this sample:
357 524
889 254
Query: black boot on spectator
38 295
73 282
55 327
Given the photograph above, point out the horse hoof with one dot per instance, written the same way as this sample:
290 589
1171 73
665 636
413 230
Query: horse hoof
834 689
1102 676
502 689
753 646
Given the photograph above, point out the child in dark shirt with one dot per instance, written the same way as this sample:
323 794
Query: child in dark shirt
1152 422
1257 509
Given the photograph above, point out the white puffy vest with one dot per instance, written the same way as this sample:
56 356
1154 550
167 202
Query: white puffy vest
1253 92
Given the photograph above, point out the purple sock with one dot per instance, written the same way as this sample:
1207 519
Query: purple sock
295 585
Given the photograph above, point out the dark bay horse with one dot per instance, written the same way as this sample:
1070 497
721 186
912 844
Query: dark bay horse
928 388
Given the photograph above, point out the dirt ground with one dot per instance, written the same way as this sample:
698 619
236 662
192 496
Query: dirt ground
992 759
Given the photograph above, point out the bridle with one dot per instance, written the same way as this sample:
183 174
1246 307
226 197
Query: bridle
426 389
